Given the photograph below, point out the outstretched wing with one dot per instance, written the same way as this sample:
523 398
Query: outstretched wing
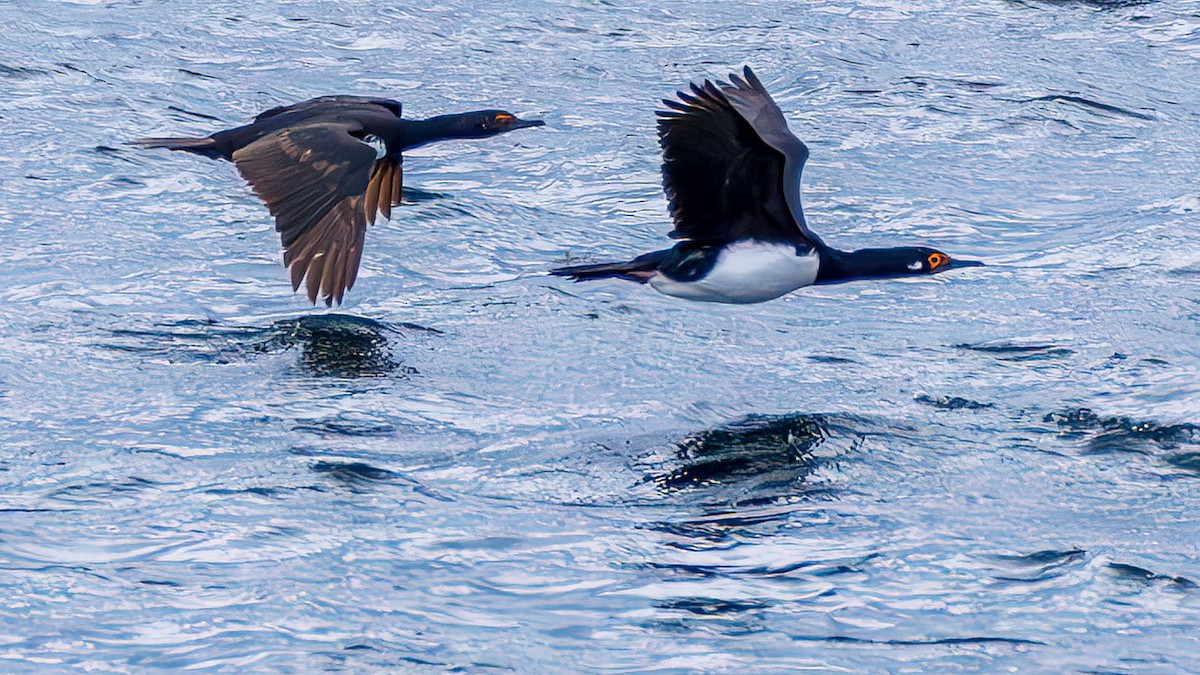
324 185
731 166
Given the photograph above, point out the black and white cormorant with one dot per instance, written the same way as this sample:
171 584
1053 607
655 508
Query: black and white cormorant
731 173
325 167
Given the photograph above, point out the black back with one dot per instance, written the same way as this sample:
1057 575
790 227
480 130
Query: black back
380 117
327 103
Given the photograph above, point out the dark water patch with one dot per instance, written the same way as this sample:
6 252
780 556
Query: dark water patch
101 491
838 570
393 657
1043 558
20 72
1088 103
719 530
416 194
952 402
1135 573
358 476
1121 434
712 606
121 155
971 85
765 450
330 345
256 491
189 341
302 19
1018 350
461 667
727 571
156 582
1039 566
353 472
347 428
977 639
828 358
340 345
1096 4
1188 461
195 73
192 113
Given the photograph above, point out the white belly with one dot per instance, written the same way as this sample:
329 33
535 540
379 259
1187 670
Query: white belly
748 271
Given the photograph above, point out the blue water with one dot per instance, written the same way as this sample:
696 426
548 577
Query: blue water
474 466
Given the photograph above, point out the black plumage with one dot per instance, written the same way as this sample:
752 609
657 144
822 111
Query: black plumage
326 168
723 181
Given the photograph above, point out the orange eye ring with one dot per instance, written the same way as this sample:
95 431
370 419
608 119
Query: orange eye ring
937 260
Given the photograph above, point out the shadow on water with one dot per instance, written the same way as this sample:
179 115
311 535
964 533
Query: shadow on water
340 345
329 345
757 454
746 479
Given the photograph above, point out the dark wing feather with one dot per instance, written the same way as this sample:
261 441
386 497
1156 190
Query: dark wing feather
723 180
325 103
750 99
324 186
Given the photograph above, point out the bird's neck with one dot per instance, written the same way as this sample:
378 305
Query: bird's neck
865 263
415 133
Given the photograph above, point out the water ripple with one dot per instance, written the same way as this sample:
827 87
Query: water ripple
474 466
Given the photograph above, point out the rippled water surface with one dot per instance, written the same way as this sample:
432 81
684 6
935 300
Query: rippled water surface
474 466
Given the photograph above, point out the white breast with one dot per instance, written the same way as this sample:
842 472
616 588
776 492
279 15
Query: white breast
747 271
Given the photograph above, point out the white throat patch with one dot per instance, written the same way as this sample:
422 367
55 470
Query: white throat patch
377 144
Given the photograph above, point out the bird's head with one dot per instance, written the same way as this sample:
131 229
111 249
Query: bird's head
485 123
875 263
923 260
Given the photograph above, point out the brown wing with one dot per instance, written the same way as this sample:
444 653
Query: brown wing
324 186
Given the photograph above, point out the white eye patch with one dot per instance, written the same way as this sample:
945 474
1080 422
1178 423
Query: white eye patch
915 266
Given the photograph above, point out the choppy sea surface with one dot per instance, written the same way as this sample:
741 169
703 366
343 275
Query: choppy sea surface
473 466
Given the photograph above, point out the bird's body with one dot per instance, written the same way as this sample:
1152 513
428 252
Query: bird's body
743 271
325 167
731 172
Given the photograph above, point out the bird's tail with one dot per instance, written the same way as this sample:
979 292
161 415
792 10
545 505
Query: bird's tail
200 146
640 269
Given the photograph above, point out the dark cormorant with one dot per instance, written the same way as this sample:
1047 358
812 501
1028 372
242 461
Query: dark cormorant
325 167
